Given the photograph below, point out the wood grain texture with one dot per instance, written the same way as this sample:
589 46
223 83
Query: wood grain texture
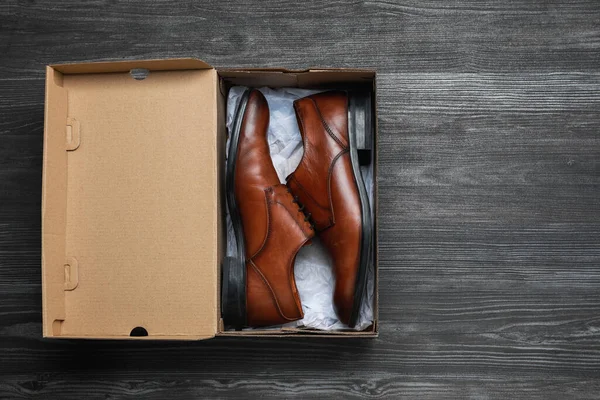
489 149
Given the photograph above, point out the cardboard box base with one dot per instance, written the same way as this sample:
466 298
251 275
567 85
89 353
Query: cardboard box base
133 196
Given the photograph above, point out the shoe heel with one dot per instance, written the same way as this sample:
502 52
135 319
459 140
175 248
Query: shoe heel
361 122
233 308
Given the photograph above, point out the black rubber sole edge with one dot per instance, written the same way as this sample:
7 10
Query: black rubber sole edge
360 134
233 279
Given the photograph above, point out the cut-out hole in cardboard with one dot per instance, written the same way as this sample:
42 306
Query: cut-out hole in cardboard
138 331
139 74
57 327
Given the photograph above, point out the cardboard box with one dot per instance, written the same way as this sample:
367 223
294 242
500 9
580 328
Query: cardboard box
133 196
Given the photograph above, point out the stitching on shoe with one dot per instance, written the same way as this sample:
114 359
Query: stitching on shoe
292 278
302 135
268 233
293 218
329 176
326 126
259 272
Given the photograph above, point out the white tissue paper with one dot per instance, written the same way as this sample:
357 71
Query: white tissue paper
313 269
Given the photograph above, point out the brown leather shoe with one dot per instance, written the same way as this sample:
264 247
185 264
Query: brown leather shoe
329 184
259 288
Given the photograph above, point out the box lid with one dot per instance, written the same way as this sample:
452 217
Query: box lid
130 206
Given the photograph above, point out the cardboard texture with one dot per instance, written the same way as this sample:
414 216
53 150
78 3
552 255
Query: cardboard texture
132 199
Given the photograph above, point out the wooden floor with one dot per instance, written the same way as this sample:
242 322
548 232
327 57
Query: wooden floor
489 229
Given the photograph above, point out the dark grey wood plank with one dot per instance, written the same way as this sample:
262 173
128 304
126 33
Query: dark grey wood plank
408 35
489 230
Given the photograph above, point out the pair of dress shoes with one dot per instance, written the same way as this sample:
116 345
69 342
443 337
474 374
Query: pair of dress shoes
324 196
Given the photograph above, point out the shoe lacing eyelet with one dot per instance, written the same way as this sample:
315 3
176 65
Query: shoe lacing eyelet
307 217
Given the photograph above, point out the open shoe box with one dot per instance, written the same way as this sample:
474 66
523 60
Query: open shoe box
133 196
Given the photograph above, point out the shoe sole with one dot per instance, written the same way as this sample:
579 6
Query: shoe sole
233 286
360 134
